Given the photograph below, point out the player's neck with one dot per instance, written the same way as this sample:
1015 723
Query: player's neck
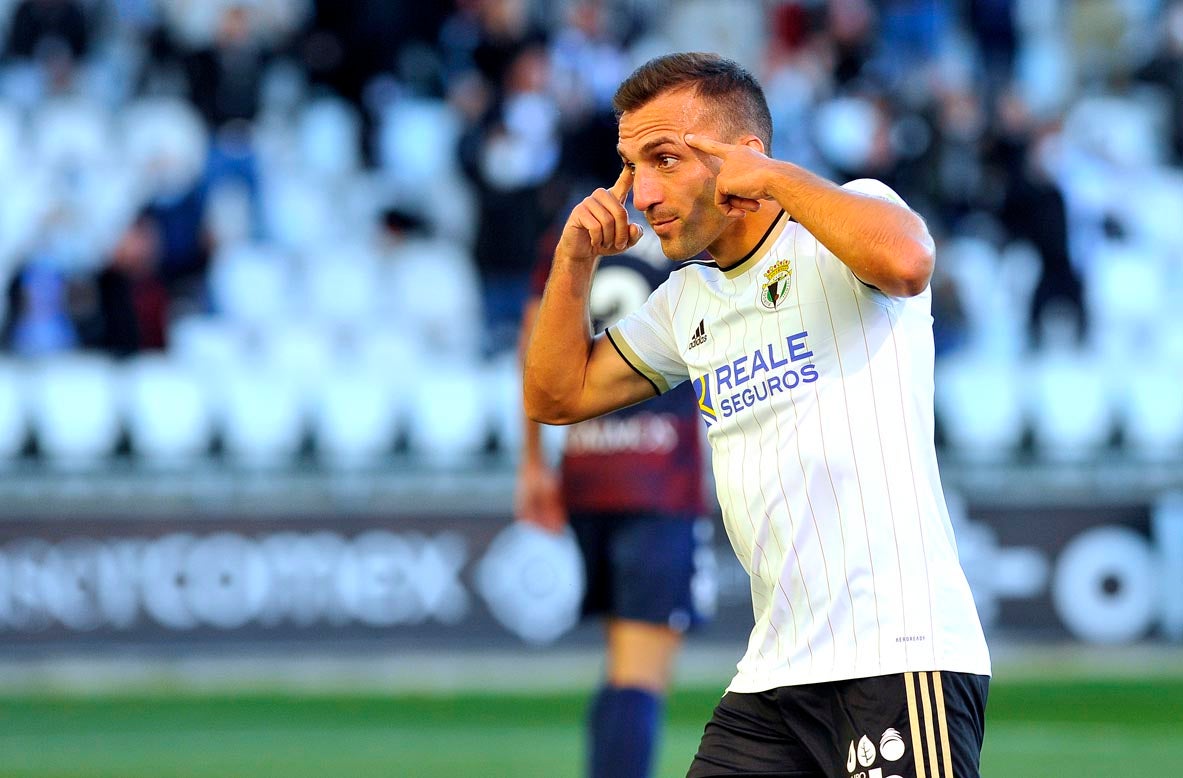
742 237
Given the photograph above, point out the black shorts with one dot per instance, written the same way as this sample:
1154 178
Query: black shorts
653 568
927 725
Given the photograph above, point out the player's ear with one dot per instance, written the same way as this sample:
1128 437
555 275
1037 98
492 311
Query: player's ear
752 142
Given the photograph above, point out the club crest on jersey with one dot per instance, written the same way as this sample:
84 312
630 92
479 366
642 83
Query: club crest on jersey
778 280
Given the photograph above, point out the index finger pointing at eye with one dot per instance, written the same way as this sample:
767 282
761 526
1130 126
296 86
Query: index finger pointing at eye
620 189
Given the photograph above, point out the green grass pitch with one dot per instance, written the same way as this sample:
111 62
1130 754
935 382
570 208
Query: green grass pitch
1053 728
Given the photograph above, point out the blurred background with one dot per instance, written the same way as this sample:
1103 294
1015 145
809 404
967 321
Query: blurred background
263 262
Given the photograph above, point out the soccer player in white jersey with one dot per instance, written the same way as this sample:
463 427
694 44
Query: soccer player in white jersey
808 339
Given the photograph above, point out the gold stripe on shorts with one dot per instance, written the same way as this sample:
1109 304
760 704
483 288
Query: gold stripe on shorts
943 723
914 721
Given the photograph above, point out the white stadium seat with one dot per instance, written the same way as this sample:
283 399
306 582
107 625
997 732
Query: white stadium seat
1152 411
340 286
207 343
330 138
416 141
448 424
1070 407
74 410
979 404
503 398
165 141
72 134
298 211
168 412
1126 299
251 284
263 418
431 290
12 138
300 352
14 422
355 417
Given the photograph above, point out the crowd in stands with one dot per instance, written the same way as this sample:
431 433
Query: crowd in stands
314 185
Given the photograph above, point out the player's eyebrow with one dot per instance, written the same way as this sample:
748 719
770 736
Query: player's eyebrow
650 146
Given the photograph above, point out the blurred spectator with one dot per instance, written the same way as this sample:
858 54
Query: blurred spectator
130 304
198 114
224 78
47 41
1034 210
1165 69
851 28
588 63
185 250
47 29
38 320
511 156
992 23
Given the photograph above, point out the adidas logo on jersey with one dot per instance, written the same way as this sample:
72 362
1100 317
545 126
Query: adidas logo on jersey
700 334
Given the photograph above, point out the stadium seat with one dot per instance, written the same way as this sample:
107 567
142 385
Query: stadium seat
229 213
1152 410
448 424
251 284
979 404
25 200
340 286
355 417
330 138
975 267
503 395
164 141
416 141
12 139
1152 209
298 211
301 352
14 422
262 418
167 411
1126 299
1069 405
207 344
74 410
432 291
71 134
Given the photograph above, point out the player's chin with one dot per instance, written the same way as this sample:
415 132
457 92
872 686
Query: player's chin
677 250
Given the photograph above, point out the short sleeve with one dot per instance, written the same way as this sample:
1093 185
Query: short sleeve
645 340
872 188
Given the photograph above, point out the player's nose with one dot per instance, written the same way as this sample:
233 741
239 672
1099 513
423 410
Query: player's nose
646 191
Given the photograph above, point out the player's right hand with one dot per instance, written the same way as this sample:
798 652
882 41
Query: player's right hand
538 497
599 226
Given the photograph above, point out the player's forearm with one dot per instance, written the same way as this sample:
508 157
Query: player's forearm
885 244
556 358
531 430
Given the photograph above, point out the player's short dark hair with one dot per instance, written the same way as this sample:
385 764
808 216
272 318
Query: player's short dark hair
736 98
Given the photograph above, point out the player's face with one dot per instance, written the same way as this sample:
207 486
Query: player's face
672 185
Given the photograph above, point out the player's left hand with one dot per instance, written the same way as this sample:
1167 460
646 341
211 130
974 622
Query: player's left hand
741 174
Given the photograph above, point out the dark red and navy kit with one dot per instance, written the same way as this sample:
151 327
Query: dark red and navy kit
647 457
633 480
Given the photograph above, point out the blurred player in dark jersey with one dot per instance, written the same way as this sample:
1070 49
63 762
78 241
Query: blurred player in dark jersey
630 487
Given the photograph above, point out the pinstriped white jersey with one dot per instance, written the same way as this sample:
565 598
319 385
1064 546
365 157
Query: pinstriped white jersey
817 393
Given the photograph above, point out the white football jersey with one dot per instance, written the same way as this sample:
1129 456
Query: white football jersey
817 393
